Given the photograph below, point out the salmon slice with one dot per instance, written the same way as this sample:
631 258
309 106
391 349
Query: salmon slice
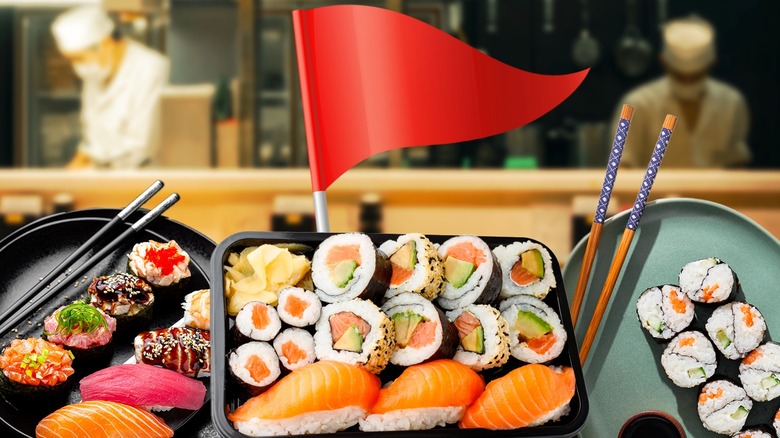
704 396
295 306
400 275
752 357
687 342
257 368
708 292
102 419
293 352
678 304
440 383
344 252
521 276
521 397
423 335
747 315
467 252
466 322
542 344
325 385
260 317
342 321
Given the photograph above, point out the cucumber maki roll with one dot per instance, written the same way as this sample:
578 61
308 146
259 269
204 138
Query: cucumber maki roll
723 407
125 297
35 369
416 266
527 269
759 372
471 272
709 281
736 329
755 432
165 266
689 359
664 311
536 334
484 337
84 330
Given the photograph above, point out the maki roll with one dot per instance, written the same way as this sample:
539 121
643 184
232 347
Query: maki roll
527 269
257 321
422 332
709 281
124 297
255 366
754 432
355 332
348 266
295 348
689 359
736 329
182 349
776 423
35 369
759 372
197 309
471 271
299 307
723 407
536 334
484 337
416 266
84 330
165 266
664 311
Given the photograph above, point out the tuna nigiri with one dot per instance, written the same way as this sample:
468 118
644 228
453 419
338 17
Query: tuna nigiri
144 386
425 396
102 419
528 396
323 397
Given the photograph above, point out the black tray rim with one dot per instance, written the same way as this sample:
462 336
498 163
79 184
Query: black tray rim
219 349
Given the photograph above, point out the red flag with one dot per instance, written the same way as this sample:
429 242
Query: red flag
373 80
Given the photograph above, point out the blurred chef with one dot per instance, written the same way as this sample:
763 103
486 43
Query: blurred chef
122 82
713 118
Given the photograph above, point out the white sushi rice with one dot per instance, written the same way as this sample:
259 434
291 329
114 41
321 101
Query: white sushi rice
152 273
496 338
310 315
654 307
415 303
509 255
246 326
554 415
761 377
309 423
743 334
303 340
453 297
707 274
412 419
682 361
509 310
721 402
265 352
326 289
752 433
427 277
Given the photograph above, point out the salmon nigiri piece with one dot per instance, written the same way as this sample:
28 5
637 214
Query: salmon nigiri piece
102 419
323 397
528 396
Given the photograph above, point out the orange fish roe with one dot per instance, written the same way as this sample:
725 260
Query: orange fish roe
752 357
687 342
747 315
708 292
165 258
678 304
710 395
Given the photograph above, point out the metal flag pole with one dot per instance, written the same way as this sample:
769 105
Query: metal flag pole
321 211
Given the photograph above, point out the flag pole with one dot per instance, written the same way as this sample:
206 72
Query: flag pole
321 211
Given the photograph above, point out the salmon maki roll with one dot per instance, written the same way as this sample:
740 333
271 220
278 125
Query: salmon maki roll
416 265
324 397
102 419
299 307
536 334
295 348
472 273
257 321
527 269
528 396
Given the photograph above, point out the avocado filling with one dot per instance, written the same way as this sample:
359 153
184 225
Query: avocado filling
405 323
740 413
343 272
474 341
457 272
351 340
529 326
406 256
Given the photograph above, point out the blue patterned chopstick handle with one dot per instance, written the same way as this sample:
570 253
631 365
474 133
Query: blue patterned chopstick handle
647 184
612 169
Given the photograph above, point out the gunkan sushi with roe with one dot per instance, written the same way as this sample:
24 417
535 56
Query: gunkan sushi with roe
165 266
84 330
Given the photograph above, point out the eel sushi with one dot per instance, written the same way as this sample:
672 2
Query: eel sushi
84 330
416 265
425 396
144 386
102 419
664 311
256 321
295 348
723 407
528 396
484 337
422 332
324 397
255 366
125 297
472 273
709 281
759 372
197 309
536 334
33 368
527 268
689 359
165 266
299 307
182 349
348 266
736 329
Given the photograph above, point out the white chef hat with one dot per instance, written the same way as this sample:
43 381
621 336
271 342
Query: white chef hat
81 27
689 45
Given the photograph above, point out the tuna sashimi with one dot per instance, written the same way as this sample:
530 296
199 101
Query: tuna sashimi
144 386
101 419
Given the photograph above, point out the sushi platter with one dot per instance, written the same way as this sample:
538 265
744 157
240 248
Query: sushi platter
638 362
301 321
93 303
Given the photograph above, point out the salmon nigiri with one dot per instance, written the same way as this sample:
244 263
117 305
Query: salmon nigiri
102 419
323 397
528 396
425 396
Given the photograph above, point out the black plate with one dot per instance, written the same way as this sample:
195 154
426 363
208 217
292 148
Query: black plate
32 251
568 426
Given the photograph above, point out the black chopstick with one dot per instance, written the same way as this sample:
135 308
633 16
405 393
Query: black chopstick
57 271
36 301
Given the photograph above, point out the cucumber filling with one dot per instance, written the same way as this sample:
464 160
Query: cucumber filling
770 382
740 413
723 338
697 373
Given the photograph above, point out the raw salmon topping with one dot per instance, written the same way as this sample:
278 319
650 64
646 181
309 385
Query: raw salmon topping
260 317
678 304
686 342
257 368
36 362
710 395
708 292
467 252
344 252
296 306
293 352
342 321
747 315
752 357
466 323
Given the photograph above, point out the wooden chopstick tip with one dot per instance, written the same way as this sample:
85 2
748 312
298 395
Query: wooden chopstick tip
627 112
670 121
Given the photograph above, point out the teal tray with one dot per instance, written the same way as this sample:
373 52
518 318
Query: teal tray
623 373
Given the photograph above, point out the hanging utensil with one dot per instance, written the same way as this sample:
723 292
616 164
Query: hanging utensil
662 13
586 49
549 16
492 16
633 53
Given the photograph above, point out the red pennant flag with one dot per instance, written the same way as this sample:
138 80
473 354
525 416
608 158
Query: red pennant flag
373 80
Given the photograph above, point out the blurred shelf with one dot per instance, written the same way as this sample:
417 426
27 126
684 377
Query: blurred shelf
59 95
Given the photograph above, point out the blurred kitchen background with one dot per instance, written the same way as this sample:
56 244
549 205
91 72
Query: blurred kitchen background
233 140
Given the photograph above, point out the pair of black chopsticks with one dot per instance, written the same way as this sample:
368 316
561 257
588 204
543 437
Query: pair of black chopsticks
32 299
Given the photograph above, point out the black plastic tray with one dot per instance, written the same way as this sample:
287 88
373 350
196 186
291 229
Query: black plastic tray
225 400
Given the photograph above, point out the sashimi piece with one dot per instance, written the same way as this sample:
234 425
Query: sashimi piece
527 396
144 386
321 386
342 321
343 252
440 383
102 419
423 335
295 306
467 252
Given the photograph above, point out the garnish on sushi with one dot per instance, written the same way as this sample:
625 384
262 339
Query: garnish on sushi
125 297
35 368
83 329
165 266
102 419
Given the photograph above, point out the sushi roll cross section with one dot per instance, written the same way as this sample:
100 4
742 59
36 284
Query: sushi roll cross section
754 433
527 269
295 348
536 334
125 297
723 407
689 359
416 266
759 372
299 307
182 349
709 280
736 329
102 419
162 265
255 366
472 273
83 329
35 368
664 311
776 423
257 321
197 309
484 337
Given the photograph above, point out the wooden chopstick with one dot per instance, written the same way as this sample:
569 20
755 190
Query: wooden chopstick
32 305
89 244
626 114
628 234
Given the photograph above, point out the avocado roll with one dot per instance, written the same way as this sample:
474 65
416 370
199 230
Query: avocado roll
165 266
709 281
527 269
416 266
472 273
33 369
257 321
125 297
348 266
295 348
759 372
254 366
664 311
84 330
422 332
298 307
536 334
689 359
723 407
736 329
484 337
